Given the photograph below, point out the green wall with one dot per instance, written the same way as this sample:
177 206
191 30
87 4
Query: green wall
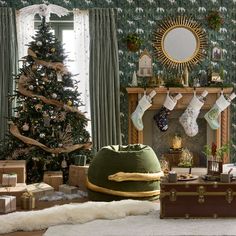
142 16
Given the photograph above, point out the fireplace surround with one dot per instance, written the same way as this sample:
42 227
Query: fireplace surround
150 134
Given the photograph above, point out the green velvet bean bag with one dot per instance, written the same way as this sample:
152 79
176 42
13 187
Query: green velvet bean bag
121 172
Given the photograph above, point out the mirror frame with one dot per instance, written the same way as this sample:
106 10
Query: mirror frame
188 23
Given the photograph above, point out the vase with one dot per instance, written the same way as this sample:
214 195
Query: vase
214 167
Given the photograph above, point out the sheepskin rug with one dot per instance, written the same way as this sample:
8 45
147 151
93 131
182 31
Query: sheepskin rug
72 214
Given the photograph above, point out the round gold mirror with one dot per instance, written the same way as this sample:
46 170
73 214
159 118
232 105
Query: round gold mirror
180 43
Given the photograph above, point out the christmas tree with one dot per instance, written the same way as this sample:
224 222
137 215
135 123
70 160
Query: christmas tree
48 130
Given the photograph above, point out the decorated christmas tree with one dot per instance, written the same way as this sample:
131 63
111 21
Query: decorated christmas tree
48 130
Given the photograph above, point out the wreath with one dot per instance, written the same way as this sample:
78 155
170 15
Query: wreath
214 20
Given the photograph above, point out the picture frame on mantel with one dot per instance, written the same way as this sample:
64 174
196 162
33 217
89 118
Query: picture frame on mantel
145 64
217 54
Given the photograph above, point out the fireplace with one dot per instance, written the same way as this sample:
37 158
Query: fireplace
161 141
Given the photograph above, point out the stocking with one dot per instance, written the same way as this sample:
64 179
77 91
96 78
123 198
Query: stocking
144 103
161 117
189 118
220 105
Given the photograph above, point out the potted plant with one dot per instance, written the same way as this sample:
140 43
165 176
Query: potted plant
214 20
215 158
133 42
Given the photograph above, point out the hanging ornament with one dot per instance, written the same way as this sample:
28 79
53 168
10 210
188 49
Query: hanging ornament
45 79
39 43
34 67
53 155
69 103
59 77
60 145
44 166
42 135
38 107
25 127
46 119
53 134
31 87
50 75
53 49
47 55
59 126
64 163
68 128
61 116
54 95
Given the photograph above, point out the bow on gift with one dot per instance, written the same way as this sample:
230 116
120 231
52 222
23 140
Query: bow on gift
27 195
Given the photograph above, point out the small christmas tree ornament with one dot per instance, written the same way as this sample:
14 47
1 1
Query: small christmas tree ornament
31 87
25 127
69 103
54 95
64 163
39 43
59 77
38 107
42 135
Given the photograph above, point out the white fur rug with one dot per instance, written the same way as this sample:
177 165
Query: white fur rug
72 214
148 225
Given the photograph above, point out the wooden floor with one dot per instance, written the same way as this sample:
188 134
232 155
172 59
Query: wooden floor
42 205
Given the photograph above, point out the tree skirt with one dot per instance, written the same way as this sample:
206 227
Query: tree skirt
72 214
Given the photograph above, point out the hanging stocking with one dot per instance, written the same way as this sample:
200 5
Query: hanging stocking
144 103
220 105
189 118
161 117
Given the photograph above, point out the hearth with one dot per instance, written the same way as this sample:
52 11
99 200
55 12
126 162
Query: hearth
161 141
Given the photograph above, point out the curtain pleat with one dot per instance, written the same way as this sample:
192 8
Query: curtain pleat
8 64
104 78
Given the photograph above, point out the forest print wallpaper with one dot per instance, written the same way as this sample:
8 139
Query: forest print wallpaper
142 17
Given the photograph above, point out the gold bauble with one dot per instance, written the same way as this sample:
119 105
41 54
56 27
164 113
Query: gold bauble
69 103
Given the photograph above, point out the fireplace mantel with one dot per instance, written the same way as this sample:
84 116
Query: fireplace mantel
135 93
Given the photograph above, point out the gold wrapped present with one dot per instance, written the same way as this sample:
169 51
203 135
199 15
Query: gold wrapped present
78 176
27 201
53 178
7 203
13 166
40 189
16 191
9 180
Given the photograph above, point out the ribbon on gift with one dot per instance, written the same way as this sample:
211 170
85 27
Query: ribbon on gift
27 201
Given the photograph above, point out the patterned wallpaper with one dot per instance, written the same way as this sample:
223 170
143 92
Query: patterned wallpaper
142 17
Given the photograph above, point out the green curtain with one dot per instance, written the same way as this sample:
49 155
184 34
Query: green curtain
104 78
8 63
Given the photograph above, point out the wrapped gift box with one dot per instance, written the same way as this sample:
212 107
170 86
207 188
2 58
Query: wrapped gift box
53 178
13 166
80 160
68 189
40 190
27 201
9 180
7 203
16 191
78 176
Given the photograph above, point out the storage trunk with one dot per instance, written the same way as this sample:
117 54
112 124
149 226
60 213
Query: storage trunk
189 199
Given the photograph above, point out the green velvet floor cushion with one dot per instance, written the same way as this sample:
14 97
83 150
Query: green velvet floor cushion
140 159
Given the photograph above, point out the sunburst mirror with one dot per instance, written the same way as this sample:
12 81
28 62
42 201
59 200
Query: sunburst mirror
180 42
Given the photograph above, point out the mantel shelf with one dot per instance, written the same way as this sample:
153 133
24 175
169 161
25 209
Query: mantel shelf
211 90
